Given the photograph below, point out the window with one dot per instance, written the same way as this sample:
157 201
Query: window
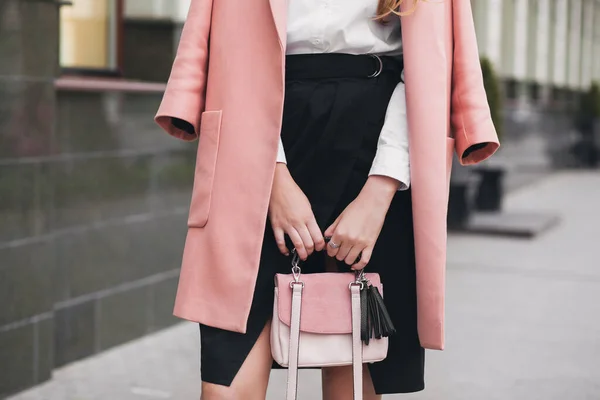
90 35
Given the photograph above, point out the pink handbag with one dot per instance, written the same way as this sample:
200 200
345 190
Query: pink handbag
317 323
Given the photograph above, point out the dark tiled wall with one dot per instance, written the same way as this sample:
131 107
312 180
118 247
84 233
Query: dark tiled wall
91 233
27 130
93 206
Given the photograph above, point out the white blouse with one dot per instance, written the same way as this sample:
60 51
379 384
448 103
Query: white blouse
347 26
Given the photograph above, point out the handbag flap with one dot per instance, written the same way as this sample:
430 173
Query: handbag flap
326 302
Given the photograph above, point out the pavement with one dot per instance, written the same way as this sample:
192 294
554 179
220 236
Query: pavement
523 320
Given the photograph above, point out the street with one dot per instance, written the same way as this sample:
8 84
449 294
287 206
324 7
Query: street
523 320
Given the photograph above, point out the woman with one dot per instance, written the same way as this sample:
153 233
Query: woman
303 122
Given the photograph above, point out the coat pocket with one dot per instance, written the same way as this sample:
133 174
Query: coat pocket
206 161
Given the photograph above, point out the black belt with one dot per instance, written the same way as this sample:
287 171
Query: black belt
340 65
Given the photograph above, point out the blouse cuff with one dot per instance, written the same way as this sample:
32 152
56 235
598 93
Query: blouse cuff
391 162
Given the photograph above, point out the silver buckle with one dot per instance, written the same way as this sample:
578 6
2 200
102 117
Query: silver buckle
359 280
296 271
376 73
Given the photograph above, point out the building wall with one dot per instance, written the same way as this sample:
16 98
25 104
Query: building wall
93 203
27 128
547 53
550 42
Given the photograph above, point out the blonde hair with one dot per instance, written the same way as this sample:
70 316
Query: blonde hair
387 7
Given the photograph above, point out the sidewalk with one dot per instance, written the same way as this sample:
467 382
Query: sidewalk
523 321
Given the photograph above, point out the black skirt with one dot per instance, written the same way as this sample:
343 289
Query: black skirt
333 115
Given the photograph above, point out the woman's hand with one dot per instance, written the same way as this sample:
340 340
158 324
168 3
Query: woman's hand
357 228
290 212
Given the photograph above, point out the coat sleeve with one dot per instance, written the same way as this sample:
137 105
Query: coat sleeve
471 120
184 97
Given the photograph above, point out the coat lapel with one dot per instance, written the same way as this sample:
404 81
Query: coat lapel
279 11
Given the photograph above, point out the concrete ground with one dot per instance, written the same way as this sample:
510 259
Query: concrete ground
523 321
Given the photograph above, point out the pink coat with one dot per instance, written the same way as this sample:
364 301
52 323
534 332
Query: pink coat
228 82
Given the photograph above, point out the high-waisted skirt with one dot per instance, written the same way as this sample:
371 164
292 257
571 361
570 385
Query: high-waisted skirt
333 115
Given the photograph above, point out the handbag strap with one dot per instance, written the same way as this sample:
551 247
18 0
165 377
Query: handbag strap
357 367
357 360
292 380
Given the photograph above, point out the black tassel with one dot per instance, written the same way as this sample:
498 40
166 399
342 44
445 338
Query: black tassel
386 326
364 317
376 321
374 313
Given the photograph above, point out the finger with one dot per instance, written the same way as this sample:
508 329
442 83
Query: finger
297 242
309 245
353 254
345 248
317 236
333 246
280 240
331 230
365 257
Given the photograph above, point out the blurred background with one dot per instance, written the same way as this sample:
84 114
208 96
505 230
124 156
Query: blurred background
93 204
